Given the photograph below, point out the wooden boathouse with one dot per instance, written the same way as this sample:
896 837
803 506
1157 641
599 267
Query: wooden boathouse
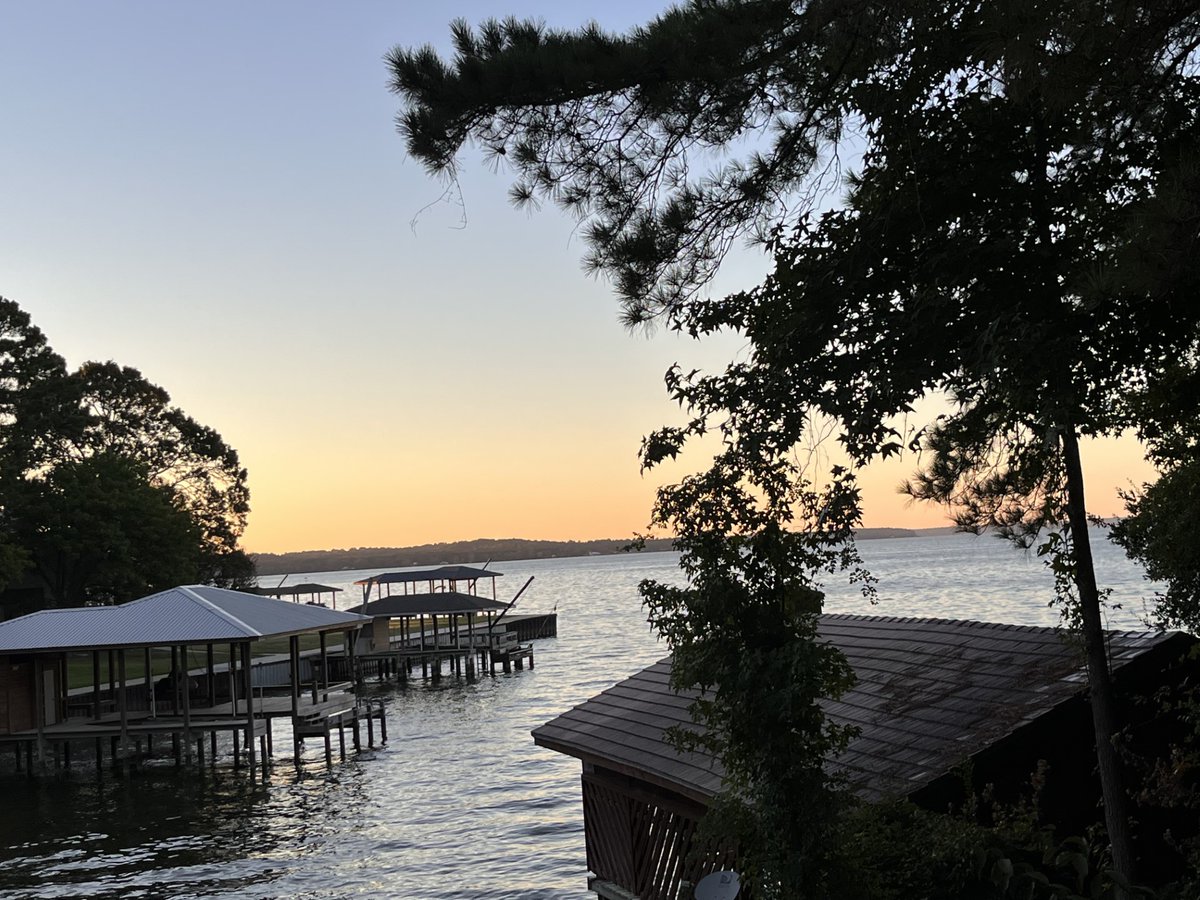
93 678
931 694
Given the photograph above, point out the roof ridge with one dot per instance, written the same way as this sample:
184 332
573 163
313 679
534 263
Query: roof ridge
212 607
862 617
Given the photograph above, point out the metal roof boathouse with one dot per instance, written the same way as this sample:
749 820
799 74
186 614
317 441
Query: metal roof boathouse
440 624
314 592
443 578
931 695
126 674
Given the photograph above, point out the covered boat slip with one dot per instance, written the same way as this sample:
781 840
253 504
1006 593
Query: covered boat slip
89 674
431 628
312 593
439 580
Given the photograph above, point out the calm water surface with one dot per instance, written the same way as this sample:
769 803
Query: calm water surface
459 803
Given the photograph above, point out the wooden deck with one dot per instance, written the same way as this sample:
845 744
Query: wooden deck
195 734
477 649
208 730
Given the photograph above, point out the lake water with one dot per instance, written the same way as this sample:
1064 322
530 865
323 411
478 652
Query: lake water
459 803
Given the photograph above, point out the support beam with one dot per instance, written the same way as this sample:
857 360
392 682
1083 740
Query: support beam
249 705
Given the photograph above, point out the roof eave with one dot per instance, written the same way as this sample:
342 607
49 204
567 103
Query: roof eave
691 792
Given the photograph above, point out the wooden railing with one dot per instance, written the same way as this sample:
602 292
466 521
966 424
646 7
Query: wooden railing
643 838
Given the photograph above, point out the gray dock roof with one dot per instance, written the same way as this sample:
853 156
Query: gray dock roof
930 693
191 614
441 573
442 603
293 590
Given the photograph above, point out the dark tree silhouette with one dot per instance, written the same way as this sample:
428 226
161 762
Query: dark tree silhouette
103 438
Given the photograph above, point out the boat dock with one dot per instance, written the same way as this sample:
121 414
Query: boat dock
224 706
90 681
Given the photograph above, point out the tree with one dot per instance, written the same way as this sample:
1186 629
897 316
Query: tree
1020 233
98 530
30 371
71 440
128 415
13 561
1164 517
744 631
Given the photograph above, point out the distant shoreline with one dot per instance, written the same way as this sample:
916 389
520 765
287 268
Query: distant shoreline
483 549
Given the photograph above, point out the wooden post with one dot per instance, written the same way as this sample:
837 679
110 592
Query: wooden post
151 700
95 684
39 712
233 691
212 676
324 665
175 704
436 665
123 702
185 687
294 676
249 705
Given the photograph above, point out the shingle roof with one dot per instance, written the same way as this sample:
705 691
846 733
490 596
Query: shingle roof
930 693
193 614
440 603
441 573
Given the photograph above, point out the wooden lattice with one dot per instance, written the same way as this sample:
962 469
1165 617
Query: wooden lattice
643 838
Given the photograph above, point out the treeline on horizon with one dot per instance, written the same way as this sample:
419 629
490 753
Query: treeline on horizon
456 552
476 551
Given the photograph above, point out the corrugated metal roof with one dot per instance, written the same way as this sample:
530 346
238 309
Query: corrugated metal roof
193 614
930 693
293 590
441 573
441 603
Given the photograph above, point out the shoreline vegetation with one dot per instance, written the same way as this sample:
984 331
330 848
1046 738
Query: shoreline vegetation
482 549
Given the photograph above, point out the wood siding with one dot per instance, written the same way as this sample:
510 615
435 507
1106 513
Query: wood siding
16 696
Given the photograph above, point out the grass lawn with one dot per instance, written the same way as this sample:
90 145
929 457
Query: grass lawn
79 665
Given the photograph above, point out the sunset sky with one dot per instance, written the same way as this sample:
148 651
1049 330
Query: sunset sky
216 195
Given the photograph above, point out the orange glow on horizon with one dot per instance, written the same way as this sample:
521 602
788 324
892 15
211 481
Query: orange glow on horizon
410 499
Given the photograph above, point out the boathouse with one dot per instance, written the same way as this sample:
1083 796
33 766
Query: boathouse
931 695
463 579
91 675
431 629
314 593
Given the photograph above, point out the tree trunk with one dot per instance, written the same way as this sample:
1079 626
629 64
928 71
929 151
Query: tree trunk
1103 703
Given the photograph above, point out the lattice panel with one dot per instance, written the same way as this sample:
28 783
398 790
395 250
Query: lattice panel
607 815
642 845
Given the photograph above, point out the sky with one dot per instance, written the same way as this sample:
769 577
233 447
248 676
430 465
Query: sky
216 195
